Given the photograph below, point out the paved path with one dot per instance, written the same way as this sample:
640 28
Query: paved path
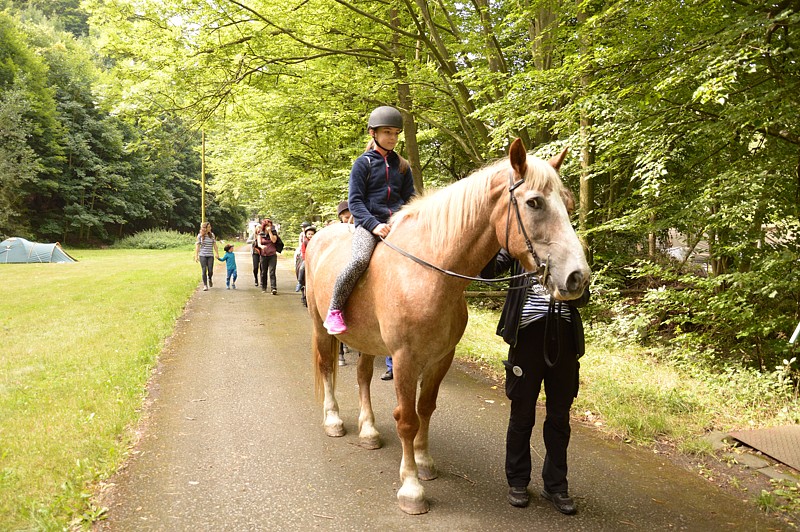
233 441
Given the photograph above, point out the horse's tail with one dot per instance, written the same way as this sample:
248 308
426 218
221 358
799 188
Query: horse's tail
325 351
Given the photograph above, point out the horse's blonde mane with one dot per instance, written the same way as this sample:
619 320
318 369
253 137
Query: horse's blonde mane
445 213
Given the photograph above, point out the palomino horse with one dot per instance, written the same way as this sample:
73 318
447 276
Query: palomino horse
417 314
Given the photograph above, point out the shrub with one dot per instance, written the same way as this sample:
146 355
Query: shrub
155 239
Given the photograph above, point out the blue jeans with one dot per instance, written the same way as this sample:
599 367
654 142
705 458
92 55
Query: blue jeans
231 275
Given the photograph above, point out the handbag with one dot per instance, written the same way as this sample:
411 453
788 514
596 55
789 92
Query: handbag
279 245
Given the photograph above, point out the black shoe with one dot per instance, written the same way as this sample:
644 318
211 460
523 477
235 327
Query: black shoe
387 376
561 501
518 497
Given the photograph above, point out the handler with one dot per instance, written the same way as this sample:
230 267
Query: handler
546 340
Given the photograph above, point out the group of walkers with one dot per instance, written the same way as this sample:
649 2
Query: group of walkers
545 337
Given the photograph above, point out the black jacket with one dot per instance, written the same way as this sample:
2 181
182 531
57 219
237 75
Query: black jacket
515 300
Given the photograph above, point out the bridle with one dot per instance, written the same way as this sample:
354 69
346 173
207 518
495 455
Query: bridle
543 267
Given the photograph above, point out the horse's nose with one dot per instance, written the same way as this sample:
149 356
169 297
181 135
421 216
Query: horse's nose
576 281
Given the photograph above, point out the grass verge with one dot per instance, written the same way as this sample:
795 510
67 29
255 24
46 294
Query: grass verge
80 340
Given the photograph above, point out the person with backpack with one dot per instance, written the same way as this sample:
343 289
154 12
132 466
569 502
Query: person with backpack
380 184
267 239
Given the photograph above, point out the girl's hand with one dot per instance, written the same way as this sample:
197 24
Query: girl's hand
381 230
196 259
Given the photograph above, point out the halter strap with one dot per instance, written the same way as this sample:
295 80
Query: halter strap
542 267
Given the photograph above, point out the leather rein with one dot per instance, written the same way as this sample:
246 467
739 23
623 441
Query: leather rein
543 270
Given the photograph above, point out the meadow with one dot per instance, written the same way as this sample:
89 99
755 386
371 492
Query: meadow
79 343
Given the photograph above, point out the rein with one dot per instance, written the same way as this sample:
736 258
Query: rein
542 272
427 264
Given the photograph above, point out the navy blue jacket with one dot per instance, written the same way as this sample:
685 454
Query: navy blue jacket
508 327
377 188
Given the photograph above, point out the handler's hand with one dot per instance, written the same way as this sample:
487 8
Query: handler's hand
381 230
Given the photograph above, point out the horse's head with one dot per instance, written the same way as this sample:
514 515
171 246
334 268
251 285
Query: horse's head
537 216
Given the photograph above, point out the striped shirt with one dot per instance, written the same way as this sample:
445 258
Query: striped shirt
537 305
206 245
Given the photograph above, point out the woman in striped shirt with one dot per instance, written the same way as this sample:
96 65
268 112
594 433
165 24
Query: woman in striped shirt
205 251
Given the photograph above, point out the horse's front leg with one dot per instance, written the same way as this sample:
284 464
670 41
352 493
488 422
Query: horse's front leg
429 391
368 435
325 350
411 495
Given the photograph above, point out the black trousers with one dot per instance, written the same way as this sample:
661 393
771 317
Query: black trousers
256 265
561 387
268 265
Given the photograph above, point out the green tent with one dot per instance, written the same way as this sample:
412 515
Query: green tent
20 250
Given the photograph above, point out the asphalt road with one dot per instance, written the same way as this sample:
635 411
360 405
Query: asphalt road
233 440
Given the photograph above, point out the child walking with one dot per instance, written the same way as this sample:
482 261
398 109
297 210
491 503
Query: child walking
380 184
230 262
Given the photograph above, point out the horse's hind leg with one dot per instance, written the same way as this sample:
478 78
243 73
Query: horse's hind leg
326 348
429 391
368 435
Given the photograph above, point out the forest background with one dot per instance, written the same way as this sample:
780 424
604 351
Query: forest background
682 118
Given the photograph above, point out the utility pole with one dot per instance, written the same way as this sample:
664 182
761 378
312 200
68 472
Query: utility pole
203 178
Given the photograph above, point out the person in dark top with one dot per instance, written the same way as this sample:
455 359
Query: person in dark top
266 238
380 184
545 340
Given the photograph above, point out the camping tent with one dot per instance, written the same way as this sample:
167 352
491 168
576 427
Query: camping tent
21 250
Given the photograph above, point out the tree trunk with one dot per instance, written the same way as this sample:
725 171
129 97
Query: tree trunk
586 205
407 106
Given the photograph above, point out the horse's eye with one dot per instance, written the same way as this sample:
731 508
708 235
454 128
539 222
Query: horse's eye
535 202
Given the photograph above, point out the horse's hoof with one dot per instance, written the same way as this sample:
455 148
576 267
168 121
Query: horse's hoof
413 506
427 473
335 431
370 443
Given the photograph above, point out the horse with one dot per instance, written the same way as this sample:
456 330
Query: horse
405 309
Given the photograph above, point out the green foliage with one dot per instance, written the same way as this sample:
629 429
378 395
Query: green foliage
684 116
156 239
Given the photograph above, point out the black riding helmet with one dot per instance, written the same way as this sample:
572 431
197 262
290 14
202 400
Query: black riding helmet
385 116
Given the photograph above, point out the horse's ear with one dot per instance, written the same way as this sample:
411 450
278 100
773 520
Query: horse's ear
556 161
518 157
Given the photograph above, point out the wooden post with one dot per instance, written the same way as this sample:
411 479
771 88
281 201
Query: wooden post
203 178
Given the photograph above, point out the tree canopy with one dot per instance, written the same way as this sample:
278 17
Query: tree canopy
682 118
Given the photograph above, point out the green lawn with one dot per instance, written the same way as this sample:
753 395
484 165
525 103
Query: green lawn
79 342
